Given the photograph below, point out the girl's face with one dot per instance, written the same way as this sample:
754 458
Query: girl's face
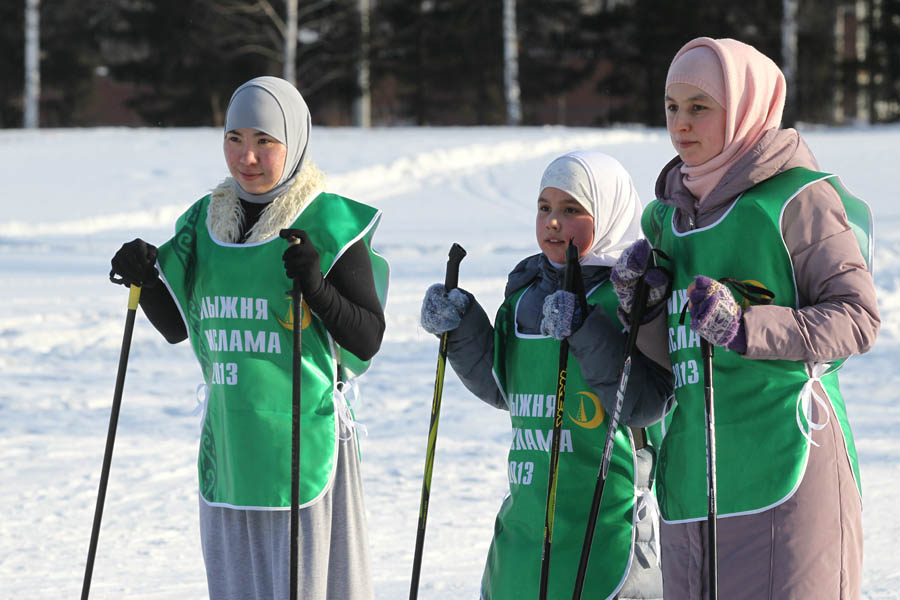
255 159
696 123
561 218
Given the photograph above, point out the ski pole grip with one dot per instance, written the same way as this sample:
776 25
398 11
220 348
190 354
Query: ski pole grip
637 314
639 307
457 253
291 236
134 296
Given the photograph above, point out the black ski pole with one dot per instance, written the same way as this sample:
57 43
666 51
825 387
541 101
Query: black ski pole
134 297
761 295
572 272
297 317
451 279
637 315
706 349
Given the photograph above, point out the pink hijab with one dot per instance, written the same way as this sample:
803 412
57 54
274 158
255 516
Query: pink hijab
751 89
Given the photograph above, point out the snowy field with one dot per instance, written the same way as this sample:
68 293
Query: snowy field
73 196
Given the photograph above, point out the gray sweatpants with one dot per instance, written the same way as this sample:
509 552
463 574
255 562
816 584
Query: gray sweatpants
644 581
247 552
808 547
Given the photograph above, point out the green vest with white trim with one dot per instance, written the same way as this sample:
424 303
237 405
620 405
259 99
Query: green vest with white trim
238 310
525 367
762 407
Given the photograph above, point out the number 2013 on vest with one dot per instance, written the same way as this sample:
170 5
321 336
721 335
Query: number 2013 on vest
686 373
225 373
521 472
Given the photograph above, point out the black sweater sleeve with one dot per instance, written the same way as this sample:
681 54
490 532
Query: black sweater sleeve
346 302
162 312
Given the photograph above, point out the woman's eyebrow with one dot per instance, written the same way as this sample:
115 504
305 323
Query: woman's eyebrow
694 98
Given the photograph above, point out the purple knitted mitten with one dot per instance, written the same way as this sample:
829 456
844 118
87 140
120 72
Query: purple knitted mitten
625 276
714 313
628 269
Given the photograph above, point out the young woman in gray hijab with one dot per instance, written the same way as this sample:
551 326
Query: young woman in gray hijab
220 282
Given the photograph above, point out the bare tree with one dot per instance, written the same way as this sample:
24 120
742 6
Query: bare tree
32 63
789 56
277 41
290 42
362 105
511 63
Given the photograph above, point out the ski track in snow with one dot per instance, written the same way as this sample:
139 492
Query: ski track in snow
60 334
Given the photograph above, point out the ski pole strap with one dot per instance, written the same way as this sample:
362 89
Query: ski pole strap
757 294
752 292
637 314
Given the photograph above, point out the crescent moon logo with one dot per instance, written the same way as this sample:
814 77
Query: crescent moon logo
305 320
592 407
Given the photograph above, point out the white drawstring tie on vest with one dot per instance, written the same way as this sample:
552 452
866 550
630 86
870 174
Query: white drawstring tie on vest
202 397
346 395
808 393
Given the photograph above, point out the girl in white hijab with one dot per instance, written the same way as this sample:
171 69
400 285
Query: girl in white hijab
587 198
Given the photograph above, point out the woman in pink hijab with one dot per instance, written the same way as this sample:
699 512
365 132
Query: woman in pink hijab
771 258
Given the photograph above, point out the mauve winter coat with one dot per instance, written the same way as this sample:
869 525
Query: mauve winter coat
811 545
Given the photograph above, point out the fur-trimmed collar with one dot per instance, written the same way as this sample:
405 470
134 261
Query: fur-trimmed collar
225 217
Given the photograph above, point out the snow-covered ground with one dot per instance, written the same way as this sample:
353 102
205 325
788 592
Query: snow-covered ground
71 197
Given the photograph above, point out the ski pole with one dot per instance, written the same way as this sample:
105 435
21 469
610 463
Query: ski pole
451 279
754 293
133 299
706 349
572 271
297 317
637 315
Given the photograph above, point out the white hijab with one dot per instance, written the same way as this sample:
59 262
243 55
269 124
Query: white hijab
604 188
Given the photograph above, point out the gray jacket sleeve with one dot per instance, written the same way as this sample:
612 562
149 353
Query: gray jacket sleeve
599 347
470 349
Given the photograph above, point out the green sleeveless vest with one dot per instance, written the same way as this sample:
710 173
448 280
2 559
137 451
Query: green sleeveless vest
235 299
525 367
761 406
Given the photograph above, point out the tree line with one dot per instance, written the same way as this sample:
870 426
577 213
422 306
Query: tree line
433 62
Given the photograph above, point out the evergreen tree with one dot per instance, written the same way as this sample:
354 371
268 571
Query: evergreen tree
817 76
558 50
186 58
440 61
12 62
641 37
885 60
69 56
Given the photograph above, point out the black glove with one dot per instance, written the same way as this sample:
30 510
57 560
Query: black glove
301 261
134 264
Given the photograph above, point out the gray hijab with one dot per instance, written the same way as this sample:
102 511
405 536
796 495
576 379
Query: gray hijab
275 107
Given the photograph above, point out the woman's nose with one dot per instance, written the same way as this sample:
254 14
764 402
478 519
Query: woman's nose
248 157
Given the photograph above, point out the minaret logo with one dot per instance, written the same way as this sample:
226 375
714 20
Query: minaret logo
595 409
288 322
